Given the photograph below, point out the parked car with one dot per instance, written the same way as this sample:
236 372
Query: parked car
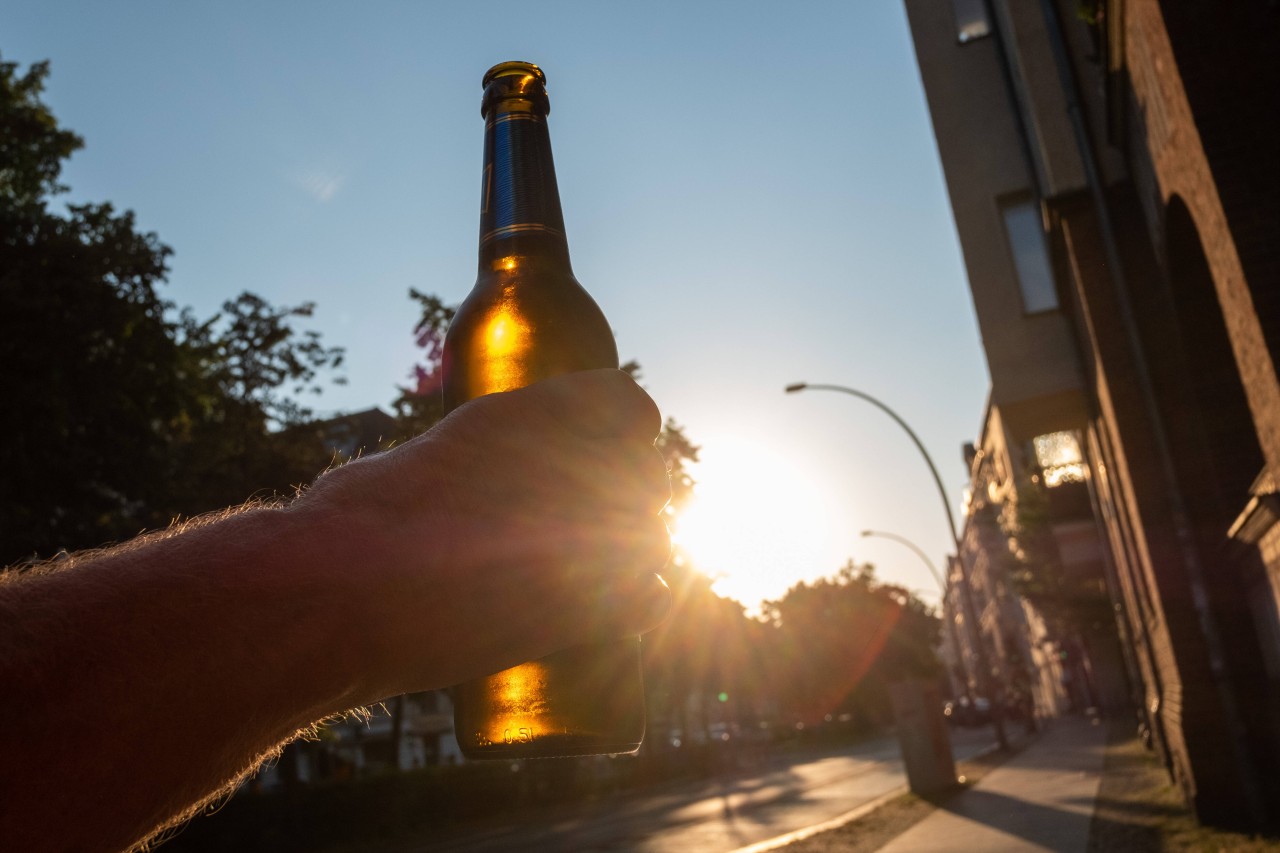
962 712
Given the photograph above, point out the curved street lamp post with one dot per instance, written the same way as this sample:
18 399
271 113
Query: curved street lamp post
902 540
966 591
947 615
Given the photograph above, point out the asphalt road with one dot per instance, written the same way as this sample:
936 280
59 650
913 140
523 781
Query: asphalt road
715 816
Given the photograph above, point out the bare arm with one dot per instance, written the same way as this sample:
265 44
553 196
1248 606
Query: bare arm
136 684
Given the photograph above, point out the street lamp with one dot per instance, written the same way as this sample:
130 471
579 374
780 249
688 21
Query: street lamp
902 540
947 615
966 589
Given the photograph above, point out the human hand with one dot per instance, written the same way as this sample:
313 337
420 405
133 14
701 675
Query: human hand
523 523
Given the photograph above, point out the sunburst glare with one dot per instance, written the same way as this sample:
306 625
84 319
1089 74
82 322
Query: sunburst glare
757 523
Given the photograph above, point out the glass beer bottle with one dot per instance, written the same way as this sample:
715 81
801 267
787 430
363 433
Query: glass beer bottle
527 319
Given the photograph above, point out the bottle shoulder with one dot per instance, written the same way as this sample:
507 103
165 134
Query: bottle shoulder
515 329
537 294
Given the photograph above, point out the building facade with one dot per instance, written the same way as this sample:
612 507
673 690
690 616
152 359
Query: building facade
1035 562
1112 172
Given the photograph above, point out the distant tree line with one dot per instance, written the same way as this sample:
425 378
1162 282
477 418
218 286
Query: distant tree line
821 658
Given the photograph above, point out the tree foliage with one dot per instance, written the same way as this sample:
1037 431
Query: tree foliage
252 357
843 639
32 146
420 405
242 431
676 448
827 650
121 415
1075 602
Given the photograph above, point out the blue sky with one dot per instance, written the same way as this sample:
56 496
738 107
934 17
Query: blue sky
751 193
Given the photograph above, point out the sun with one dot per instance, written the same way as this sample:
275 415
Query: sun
757 523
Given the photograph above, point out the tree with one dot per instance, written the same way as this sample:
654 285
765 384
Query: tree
82 323
243 429
1074 602
676 448
707 654
419 406
843 639
120 415
32 146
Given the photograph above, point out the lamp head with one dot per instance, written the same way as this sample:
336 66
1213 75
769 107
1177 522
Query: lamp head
796 386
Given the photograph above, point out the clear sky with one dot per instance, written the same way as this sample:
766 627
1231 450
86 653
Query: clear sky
751 192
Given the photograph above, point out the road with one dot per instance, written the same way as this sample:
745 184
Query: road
716 816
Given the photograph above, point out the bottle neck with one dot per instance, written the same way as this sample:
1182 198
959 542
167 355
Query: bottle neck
519 204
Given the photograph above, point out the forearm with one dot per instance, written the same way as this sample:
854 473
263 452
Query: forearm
152 677
135 684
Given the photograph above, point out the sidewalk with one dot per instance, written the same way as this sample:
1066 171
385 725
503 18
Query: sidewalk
1041 799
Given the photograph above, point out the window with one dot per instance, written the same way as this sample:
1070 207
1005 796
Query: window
972 20
1025 233
1058 455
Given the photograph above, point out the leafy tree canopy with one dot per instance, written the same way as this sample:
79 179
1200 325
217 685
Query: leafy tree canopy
121 415
843 639
32 146
1074 602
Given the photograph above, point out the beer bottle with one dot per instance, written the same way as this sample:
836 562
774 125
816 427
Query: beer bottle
527 319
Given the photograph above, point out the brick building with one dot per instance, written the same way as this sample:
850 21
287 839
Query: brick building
1113 176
